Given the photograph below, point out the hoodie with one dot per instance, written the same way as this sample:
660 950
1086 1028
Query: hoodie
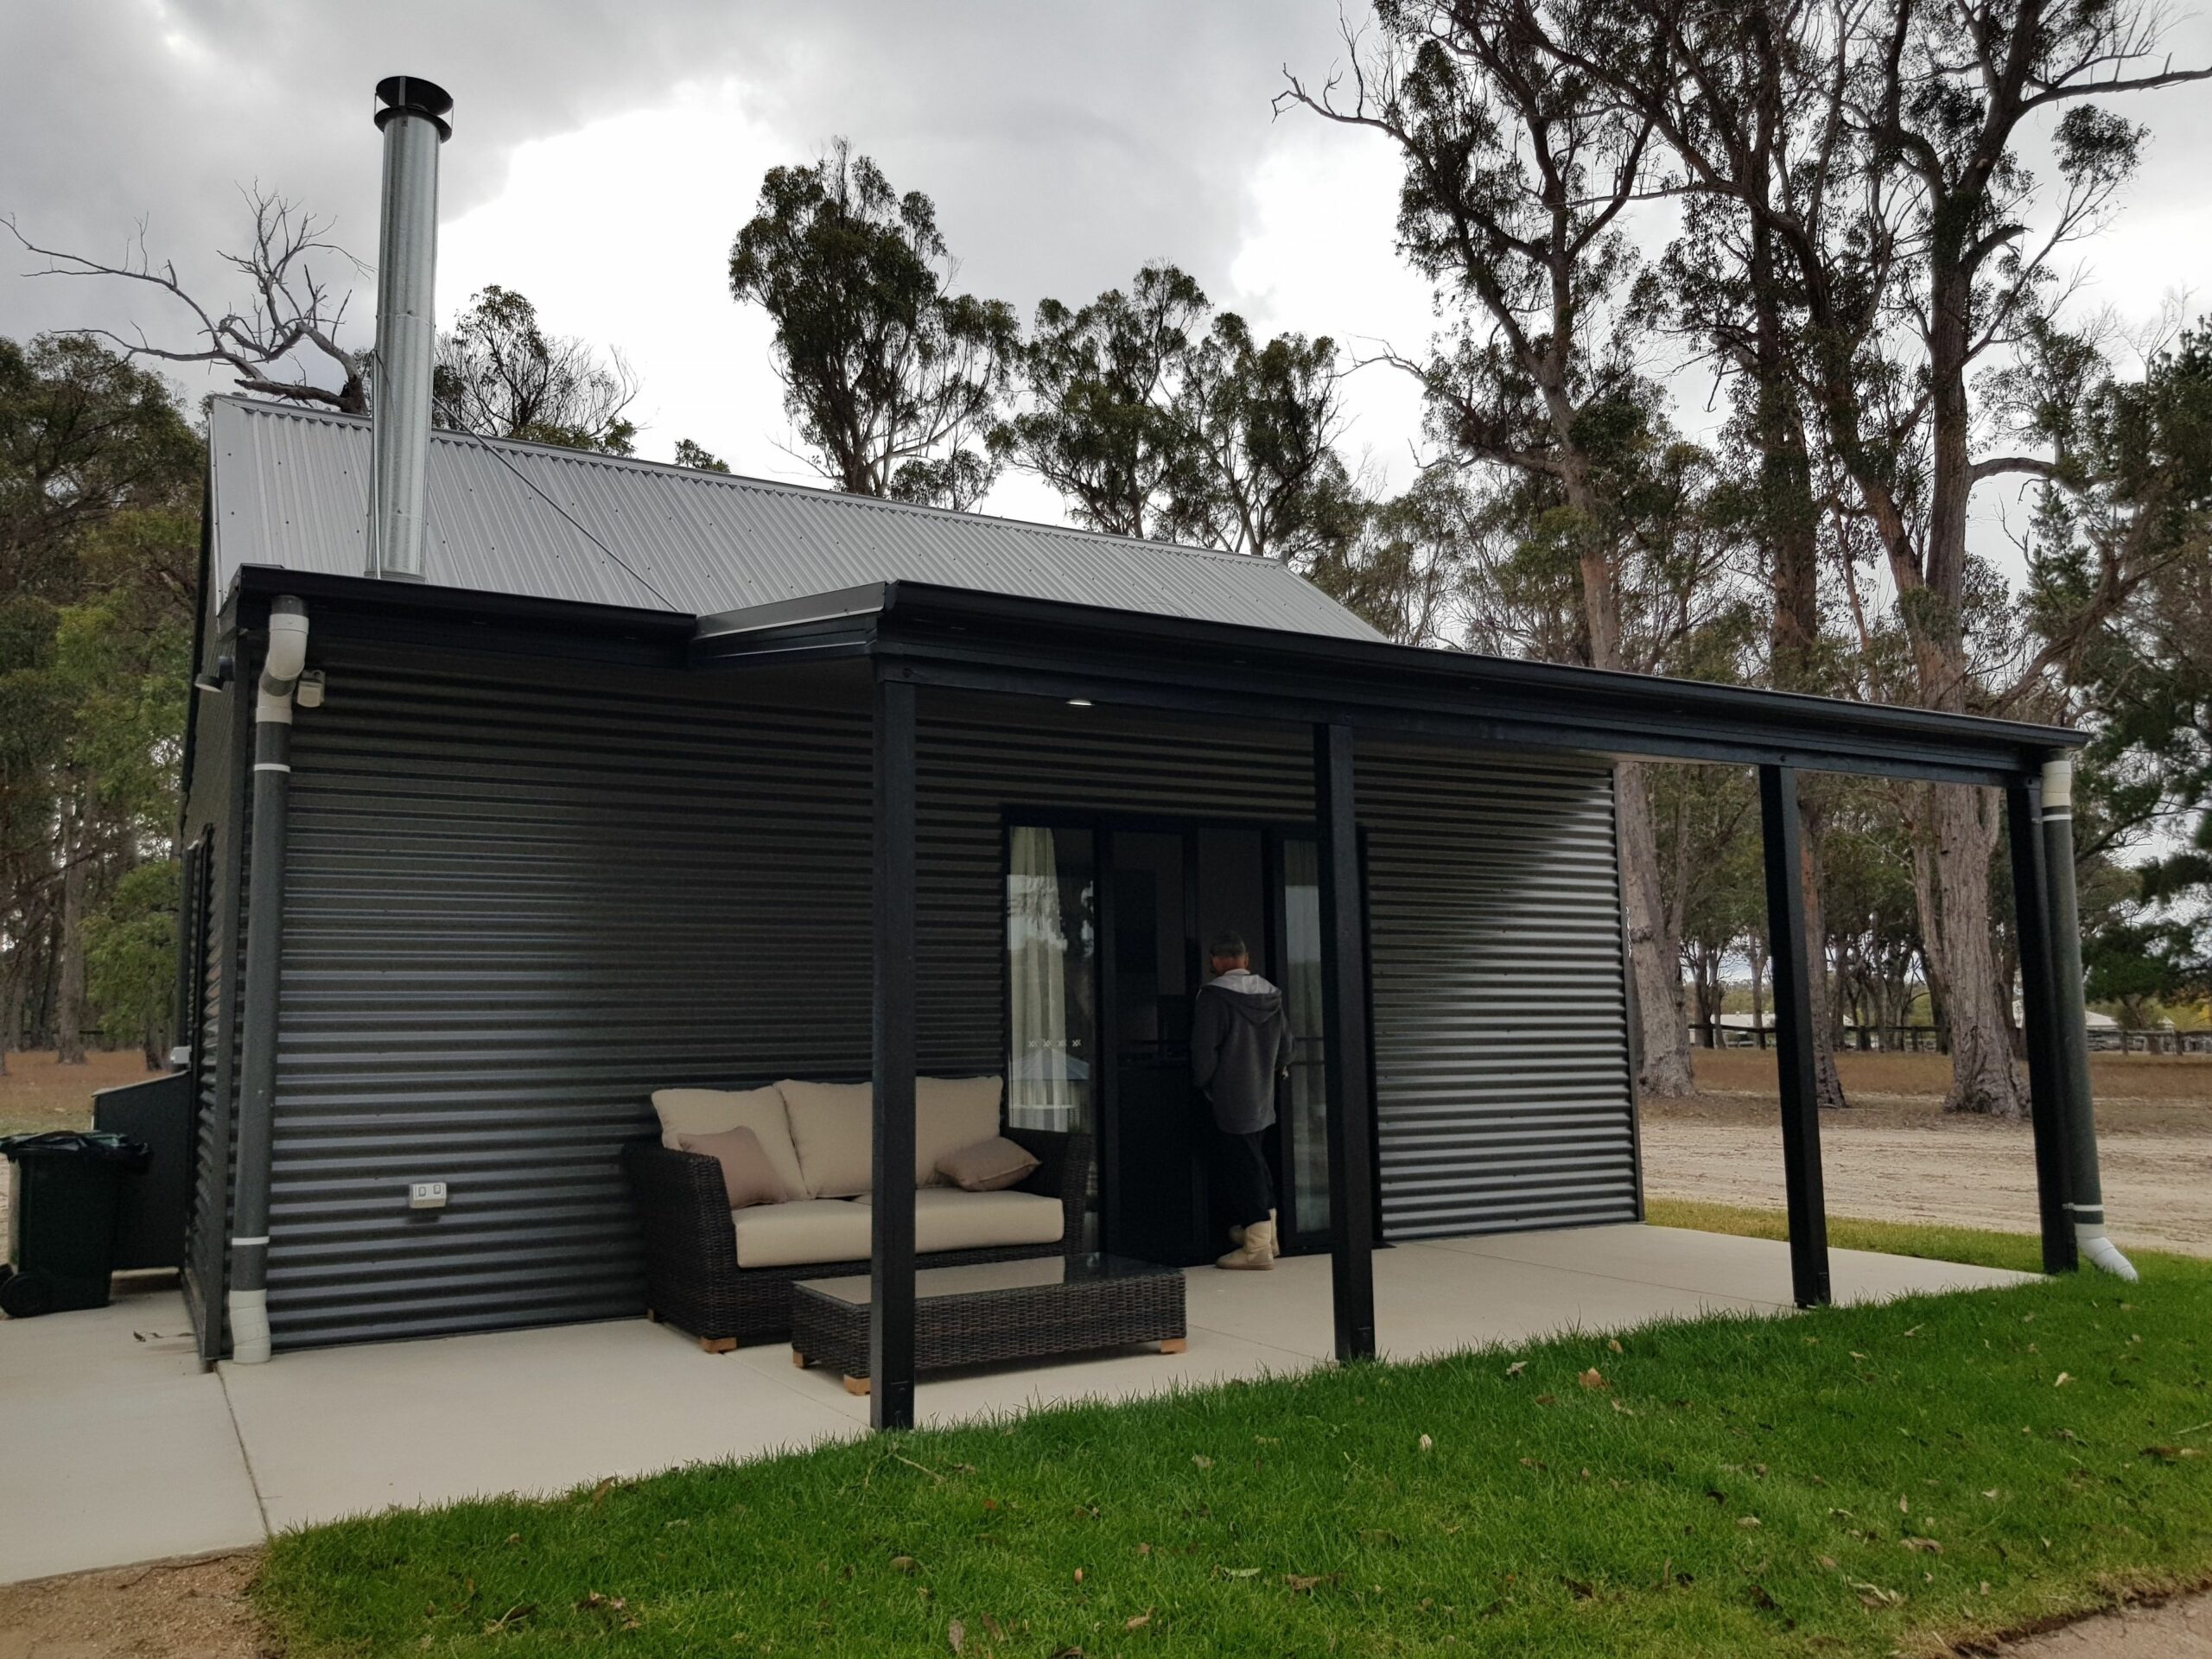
1240 1043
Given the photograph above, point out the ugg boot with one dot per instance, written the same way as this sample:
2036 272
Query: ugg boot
1274 1244
1256 1252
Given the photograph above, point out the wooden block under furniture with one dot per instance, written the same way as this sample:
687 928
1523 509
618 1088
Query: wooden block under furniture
798 1359
1175 1345
718 1344
856 1385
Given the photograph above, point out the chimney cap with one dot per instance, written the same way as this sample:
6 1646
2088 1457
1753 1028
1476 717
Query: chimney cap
412 95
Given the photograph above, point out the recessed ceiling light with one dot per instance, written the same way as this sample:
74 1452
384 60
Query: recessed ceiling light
1078 703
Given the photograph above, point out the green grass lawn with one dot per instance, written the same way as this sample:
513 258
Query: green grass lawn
1856 1481
2021 1252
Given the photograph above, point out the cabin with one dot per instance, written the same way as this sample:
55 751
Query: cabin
662 780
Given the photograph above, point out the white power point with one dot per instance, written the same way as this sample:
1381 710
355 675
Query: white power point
426 1195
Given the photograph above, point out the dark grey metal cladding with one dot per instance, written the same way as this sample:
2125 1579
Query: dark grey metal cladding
983 756
516 906
217 801
1504 1094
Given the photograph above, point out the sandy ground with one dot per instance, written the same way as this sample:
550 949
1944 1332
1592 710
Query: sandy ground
1896 1156
201 1608
198 1608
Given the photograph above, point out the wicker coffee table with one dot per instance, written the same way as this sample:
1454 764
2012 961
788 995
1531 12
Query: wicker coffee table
996 1310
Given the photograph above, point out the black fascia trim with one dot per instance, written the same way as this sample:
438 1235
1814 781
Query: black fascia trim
363 607
1068 650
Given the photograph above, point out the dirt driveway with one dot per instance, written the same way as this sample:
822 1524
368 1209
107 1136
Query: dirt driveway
1895 1155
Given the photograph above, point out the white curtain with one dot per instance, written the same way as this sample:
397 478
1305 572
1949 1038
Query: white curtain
1039 1095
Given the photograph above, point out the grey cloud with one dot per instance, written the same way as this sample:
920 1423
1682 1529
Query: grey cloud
1064 144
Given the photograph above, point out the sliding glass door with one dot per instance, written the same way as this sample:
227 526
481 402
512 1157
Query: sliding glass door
1106 924
1052 953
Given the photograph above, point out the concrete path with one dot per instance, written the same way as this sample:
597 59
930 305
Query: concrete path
114 1448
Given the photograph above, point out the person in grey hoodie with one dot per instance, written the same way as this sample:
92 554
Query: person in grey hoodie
1240 1045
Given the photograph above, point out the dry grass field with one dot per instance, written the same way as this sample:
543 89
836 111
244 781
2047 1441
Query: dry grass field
1895 1155
2117 1077
39 1094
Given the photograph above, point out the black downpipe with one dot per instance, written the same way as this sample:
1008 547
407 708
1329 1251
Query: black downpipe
2085 1197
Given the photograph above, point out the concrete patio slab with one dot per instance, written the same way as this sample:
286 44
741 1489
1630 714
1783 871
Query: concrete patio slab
172 1462
1747 1270
114 1445
339 1431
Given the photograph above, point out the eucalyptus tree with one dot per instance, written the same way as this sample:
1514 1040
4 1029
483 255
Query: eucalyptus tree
99 537
890 377
1102 382
2120 591
1260 424
1869 161
499 374
1518 170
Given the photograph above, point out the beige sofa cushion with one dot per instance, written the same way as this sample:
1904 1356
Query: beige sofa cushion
833 1128
950 1113
988 1165
945 1218
747 1177
710 1111
812 1230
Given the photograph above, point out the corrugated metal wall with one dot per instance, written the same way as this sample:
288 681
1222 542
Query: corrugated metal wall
214 806
514 908
1502 1084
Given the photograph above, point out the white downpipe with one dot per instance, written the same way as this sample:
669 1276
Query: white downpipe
2100 1251
246 1304
2058 789
248 1311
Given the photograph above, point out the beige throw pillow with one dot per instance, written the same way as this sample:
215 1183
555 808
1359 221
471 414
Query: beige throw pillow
950 1113
710 1111
748 1176
988 1166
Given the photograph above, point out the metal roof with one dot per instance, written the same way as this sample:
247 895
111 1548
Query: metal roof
291 489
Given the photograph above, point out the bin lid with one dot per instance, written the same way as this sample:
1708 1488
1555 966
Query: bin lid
76 1144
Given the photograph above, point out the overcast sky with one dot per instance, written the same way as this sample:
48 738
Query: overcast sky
604 153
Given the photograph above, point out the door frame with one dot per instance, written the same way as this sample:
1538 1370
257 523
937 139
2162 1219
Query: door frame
1103 825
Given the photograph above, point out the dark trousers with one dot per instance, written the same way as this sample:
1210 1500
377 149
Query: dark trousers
1242 1182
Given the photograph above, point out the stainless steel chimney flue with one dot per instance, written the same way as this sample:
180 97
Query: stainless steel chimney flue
411 114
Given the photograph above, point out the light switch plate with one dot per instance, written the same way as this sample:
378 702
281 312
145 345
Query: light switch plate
426 1195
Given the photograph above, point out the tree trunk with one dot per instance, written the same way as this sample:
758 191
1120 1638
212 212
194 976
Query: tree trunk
1828 1087
69 996
1654 959
1983 1077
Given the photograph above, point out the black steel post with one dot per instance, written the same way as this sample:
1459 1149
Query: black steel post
891 1250
2085 1198
1793 1038
1344 1006
2039 1023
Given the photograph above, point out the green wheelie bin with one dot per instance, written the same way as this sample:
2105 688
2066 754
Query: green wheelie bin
61 1225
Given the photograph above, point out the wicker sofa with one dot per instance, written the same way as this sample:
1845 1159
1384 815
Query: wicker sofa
725 1278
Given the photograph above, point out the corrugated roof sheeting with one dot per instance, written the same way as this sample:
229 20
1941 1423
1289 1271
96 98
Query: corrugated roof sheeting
291 490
